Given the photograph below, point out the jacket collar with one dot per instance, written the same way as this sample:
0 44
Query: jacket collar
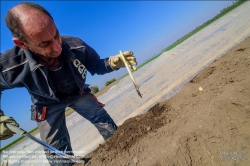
32 62
35 65
67 51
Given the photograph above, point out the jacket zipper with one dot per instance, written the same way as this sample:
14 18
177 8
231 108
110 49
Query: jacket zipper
12 67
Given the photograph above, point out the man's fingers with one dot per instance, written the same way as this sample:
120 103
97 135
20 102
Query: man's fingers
131 60
134 68
129 56
127 53
117 61
130 66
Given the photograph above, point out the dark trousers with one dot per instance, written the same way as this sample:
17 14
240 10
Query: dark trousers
53 129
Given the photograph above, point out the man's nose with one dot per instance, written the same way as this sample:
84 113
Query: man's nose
57 46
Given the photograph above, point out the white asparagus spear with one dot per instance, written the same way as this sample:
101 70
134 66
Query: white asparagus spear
130 74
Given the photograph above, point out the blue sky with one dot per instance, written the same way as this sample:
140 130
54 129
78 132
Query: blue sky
144 27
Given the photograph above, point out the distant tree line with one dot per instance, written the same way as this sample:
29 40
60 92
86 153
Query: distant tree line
94 89
110 81
229 8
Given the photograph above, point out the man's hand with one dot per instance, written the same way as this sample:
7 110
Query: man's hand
116 61
5 132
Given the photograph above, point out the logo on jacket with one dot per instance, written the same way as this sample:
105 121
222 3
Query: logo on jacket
81 68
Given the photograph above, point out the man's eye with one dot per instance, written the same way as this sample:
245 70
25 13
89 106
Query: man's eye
44 44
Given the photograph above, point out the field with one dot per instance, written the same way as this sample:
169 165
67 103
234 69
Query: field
195 127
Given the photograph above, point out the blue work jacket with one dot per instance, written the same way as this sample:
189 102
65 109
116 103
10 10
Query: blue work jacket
18 68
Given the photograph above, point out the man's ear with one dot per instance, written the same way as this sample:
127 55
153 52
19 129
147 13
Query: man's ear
20 43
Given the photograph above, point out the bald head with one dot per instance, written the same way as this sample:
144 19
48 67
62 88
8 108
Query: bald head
25 17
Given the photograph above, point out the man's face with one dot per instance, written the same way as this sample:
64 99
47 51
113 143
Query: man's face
43 38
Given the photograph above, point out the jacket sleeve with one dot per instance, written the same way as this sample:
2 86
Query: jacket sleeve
94 64
92 61
3 84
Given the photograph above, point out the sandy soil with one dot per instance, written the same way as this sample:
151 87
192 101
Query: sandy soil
209 127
